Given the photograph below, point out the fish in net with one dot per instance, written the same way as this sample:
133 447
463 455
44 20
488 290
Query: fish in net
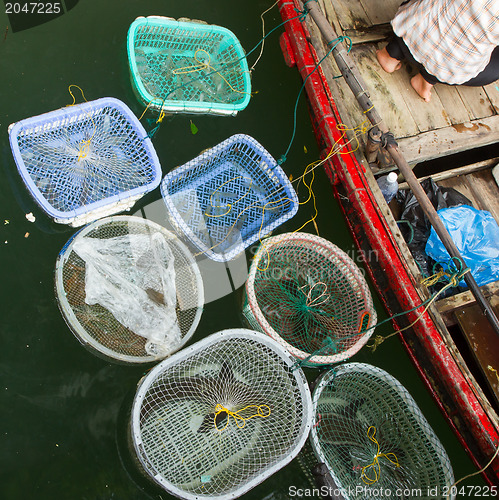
129 289
219 417
373 438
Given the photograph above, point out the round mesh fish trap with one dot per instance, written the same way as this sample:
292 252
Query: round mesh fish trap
310 296
129 289
220 416
373 438
85 161
188 67
228 197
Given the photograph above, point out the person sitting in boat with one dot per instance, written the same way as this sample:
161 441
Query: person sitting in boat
450 41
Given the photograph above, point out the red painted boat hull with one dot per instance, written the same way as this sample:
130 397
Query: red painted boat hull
451 390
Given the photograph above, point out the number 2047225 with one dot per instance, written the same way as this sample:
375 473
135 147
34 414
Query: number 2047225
33 8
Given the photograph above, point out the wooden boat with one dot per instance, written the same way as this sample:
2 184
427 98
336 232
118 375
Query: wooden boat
452 345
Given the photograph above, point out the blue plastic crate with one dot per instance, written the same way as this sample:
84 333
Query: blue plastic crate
229 197
85 161
187 67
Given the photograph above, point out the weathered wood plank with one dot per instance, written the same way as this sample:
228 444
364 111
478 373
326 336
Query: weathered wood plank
476 101
373 34
427 115
348 107
483 342
453 139
384 92
456 172
453 104
330 13
351 14
484 188
460 185
380 12
463 299
492 92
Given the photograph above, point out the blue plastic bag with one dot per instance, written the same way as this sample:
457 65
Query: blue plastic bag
476 235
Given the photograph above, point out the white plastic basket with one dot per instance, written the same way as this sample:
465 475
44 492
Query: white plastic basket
174 431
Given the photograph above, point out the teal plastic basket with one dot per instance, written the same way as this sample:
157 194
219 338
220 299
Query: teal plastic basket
187 67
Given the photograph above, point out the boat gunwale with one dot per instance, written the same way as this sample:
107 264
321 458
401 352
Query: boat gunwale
430 331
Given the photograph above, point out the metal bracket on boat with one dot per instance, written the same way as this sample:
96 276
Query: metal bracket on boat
376 152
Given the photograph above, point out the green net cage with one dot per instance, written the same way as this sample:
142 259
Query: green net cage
373 438
310 296
187 66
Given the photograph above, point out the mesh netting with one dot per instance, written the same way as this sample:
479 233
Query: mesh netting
183 433
229 197
188 66
373 438
129 289
309 295
85 161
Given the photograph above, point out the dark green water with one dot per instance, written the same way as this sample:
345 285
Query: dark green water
63 410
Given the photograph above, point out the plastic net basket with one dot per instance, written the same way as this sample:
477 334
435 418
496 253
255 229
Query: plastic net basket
188 67
373 438
192 447
129 289
85 161
310 296
228 197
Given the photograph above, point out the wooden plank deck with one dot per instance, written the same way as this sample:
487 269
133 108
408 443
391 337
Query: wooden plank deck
457 118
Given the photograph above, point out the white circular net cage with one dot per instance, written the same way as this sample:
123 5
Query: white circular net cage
310 296
373 438
129 289
220 416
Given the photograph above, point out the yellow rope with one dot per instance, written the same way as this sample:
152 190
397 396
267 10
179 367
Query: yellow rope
473 473
83 145
453 281
205 65
263 36
434 278
229 205
493 370
375 463
236 415
74 99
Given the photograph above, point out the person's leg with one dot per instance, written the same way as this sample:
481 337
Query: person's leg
489 75
390 57
421 86
423 82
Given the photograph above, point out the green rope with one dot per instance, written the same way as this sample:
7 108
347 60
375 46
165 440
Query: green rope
452 279
338 40
403 221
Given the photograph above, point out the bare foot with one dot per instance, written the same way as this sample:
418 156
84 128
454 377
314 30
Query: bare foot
422 87
387 62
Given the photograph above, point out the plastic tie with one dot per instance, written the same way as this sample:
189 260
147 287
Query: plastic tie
302 14
341 38
375 463
388 139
